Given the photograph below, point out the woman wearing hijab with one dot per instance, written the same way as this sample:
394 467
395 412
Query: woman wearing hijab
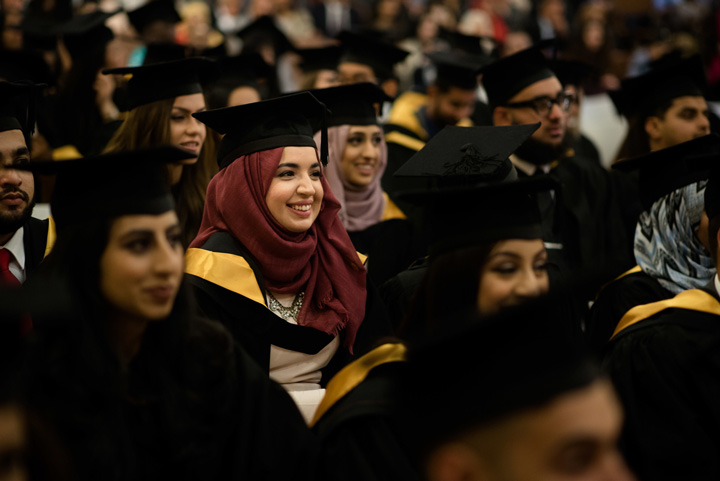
135 384
671 246
357 157
272 260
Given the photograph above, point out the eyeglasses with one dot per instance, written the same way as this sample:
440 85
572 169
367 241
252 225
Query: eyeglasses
543 105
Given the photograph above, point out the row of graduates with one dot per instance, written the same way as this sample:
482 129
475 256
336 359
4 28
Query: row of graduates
240 232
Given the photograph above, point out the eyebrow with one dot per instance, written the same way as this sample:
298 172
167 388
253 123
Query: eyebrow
296 166
516 256
144 232
188 110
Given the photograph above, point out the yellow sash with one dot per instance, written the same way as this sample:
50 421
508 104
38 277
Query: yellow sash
692 300
51 235
391 211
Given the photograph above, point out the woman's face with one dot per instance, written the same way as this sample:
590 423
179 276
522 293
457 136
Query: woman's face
142 265
185 130
296 193
361 157
515 272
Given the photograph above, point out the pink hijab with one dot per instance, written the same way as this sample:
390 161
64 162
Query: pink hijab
361 206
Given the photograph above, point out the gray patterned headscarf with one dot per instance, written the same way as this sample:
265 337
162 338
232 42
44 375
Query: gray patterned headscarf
666 246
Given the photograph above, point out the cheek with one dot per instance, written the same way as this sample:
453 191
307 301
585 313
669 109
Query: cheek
176 132
493 289
116 277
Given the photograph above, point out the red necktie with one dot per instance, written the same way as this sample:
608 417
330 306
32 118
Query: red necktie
8 279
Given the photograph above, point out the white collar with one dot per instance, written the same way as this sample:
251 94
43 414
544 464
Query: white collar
526 167
717 284
16 246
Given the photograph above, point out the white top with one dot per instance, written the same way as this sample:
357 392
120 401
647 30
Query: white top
17 259
527 167
717 284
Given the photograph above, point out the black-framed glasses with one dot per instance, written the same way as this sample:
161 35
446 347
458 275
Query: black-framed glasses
543 105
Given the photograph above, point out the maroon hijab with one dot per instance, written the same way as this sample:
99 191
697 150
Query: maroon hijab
321 261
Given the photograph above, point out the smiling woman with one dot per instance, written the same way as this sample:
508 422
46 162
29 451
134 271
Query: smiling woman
162 99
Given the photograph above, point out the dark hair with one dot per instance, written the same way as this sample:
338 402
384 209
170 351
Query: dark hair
448 290
636 140
713 228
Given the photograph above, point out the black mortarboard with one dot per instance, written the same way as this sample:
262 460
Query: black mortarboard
506 77
166 80
674 78
326 58
351 104
467 151
291 120
263 31
712 190
111 185
571 72
23 65
457 69
157 52
663 171
481 46
244 69
39 31
491 368
153 11
87 32
368 50
18 102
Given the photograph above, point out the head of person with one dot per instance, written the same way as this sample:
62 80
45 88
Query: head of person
523 403
318 68
671 243
571 74
496 261
243 79
522 89
155 21
17 188
264 38
665 106
452 96
272 197
367 59
357 154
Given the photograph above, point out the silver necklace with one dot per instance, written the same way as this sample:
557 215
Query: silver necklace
286 313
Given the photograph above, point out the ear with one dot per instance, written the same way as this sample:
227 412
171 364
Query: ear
501 116
653 128
390 86
455 462
432 91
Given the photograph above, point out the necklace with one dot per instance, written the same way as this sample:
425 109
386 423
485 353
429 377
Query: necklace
286 313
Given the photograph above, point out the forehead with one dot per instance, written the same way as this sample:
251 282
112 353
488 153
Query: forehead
12 140
546 87
130 222
365 129
689 101
352 68
190 102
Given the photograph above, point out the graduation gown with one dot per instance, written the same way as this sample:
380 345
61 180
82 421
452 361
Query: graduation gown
356 423
211 413
38 239
665 364
229 287
633 288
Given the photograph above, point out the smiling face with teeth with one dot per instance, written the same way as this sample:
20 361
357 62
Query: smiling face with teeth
361 157
185 130
295 194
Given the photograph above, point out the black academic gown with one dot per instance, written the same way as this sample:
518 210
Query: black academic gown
666 370
617 298
399 292
37 236
204 410
238 302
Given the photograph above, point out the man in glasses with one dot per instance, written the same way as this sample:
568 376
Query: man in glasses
584 227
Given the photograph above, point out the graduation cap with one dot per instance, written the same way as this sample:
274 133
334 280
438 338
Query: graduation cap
506 77
492 368
457 69
663 171
671 79
313 59
165 80
244 69
470 44
157 52
86 33
110 185
351 104
571 72
39 31
368 50
263 31
291 120
23 65
153 11
18 102
467 152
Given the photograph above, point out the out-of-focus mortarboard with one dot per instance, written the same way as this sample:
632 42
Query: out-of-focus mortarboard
671 79
120 183
153 11
39 31
351 104
663 171
506 77
571 72
326 58
291 120
166 80
18 103
157 52
262 32
492 368
470 44
457 69
23 65
381 56
86 33
244 69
